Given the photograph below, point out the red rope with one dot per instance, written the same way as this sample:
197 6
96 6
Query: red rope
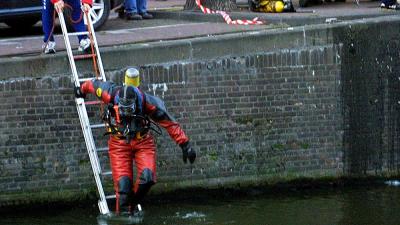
227 18
92 47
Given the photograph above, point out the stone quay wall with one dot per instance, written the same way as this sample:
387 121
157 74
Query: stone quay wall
259 107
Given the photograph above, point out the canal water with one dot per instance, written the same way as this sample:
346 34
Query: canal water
345 206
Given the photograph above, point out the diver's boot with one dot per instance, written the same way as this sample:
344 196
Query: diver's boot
138 211
145 183
125 194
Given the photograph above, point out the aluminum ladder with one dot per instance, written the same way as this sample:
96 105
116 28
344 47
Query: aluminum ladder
81 104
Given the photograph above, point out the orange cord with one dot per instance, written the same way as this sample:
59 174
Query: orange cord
92 47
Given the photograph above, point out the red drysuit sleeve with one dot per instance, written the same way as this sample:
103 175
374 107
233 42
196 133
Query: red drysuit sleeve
155 109
102 90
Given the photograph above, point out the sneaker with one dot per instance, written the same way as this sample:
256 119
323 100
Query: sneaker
146 15
84 45
394 6
49 47
121 13
133 16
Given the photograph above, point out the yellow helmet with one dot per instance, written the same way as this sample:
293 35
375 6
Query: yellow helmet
132 77
279 6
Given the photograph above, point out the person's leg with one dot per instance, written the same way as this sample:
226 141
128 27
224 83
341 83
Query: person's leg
121 165
130 6
145 160
47 26
142 6
47 20
77 17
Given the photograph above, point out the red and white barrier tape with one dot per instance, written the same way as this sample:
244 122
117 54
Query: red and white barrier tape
226 17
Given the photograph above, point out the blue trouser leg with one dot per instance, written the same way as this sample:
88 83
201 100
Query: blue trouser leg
141 6
130 6
47 20
135 6
76 14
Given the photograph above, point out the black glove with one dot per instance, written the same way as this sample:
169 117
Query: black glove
78 93
188 152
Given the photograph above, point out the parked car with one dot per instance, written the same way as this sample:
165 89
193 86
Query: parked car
25 13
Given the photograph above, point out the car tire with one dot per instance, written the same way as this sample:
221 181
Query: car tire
102 12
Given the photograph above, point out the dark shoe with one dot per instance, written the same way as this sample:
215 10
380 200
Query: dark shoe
146 16
133 16
121 14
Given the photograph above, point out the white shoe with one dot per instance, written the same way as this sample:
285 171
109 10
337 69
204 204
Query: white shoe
84 45
394 6
49 47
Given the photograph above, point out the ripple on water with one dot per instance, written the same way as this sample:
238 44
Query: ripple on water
191 215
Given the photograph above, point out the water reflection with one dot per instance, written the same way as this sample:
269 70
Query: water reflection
371 207
361 206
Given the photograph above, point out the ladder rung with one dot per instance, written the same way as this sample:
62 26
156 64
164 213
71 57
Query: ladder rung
101 125
102 149
89 78
108 173
78 33
85 56
111 196
92 102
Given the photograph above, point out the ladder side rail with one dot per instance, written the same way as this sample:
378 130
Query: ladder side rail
99 61
85 122
90 145
69 50
87 132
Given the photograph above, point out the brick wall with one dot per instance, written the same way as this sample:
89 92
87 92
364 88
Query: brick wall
254 117
315 101
251 118
370 100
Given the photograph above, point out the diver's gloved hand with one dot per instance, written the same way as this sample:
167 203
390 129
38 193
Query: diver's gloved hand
188 152
78 93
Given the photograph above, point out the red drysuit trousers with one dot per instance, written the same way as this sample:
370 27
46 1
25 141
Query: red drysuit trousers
122 156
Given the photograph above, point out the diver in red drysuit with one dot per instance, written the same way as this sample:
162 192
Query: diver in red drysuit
128 117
